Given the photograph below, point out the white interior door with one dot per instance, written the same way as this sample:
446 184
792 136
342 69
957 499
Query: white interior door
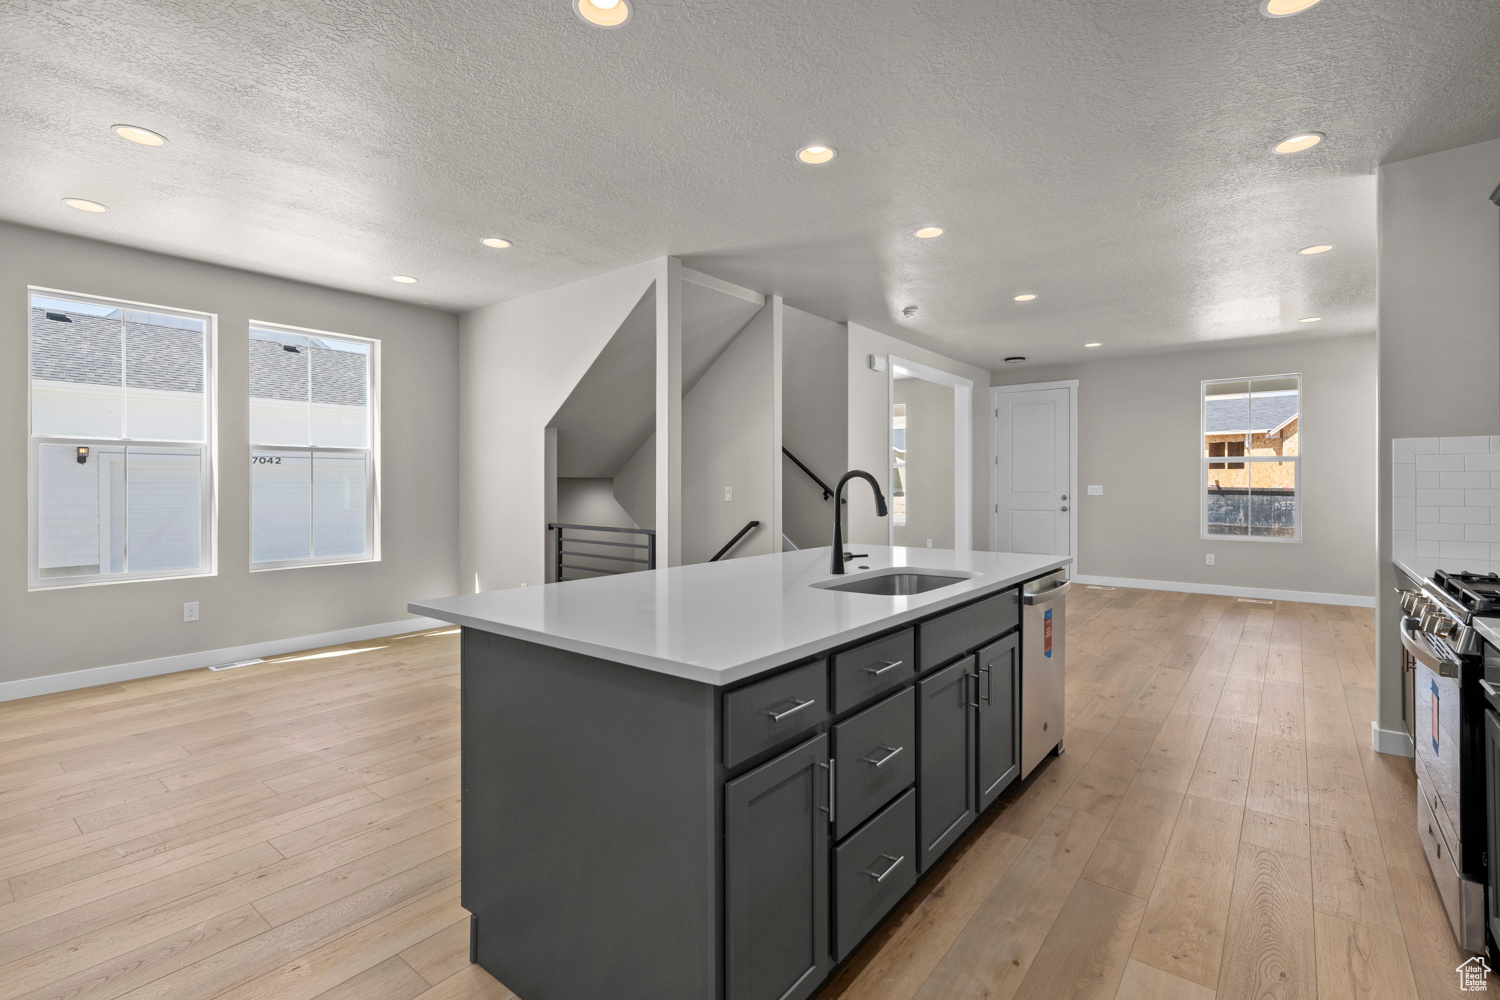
1034 505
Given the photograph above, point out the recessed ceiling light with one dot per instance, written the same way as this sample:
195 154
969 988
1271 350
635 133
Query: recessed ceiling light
1297 143
928 232
816 154
1015 359
84 205
604 13
1320 248
1285 8
1094 344
136 134
1310 319
495 242
1027 297
404 279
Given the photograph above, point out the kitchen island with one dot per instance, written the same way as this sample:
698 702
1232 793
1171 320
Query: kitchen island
711 782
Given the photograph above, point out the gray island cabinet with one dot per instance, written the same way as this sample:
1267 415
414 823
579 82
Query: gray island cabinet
713 782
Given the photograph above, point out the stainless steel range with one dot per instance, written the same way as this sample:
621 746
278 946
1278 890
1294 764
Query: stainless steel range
1438 632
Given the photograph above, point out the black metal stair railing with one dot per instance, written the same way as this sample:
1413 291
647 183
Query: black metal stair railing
735 540
568 544
827 490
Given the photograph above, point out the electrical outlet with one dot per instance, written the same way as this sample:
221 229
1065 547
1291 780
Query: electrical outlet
190 611
728 493
1208 560
1096 491
929 543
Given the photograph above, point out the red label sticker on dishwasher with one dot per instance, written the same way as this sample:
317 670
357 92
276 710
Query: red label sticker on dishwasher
1047 633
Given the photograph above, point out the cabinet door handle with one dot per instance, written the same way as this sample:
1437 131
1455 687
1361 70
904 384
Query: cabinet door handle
1489 689
778 716
989 683
831 789
973 703
894 864
889 753
877 671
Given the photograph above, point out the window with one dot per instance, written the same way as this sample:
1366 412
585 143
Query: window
312 447
1256 421
898 465
121 464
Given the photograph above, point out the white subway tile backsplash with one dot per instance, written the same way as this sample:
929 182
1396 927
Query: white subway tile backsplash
1422 446
1429 549
1404 544
1495 480
1464 480
1404 514
1427 480
1482 462
1464 550
1440 532
1460 445
1441 498
1495 444
1464 515
1481 498
1432 515
1440 463
1494 515
1482 532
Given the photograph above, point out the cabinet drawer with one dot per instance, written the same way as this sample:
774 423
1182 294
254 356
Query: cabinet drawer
872 870
970 627
861 673
875 755
774 710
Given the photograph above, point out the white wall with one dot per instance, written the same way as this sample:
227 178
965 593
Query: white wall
518 361
729 440
869 440
590 501
815 421
1138 436
55 631
929 464
1439 333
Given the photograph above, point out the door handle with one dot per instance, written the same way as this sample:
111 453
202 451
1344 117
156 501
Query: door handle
1046 595
1489 689
778 716
831 789
884 666
889 753
984 673
894 864
975 677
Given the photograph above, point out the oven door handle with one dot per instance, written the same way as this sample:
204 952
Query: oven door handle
1425 654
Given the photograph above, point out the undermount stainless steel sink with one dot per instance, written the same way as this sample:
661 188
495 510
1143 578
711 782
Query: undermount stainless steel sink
894 582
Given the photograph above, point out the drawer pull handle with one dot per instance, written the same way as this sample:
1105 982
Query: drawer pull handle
889 753
894 864
832 790
778 716
1489 689
877 671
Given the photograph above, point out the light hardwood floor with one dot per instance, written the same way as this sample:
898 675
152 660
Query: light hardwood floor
288 831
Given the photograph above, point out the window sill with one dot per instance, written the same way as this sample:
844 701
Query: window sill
310 564
1251 538
75 583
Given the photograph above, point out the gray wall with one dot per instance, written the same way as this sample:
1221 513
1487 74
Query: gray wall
55 631
1138 437
1439 332
929 464
590 501
815 421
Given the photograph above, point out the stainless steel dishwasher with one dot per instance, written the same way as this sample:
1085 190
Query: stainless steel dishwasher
1044 655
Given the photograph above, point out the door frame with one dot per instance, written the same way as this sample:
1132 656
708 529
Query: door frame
995 392
963 446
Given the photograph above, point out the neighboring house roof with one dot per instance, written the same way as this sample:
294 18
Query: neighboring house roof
1263 413
87 351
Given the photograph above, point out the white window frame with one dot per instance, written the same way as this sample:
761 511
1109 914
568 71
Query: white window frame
209 471
1248 459
372 453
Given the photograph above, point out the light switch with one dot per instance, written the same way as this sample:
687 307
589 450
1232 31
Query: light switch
1208 559
728 493
1096 491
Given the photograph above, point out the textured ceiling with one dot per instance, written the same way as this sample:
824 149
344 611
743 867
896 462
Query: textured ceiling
1109 155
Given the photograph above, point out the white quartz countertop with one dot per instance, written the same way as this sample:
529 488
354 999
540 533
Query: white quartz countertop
723 622
1419 568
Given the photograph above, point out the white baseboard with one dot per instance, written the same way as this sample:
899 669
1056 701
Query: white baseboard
1301 596
30 687
1396 742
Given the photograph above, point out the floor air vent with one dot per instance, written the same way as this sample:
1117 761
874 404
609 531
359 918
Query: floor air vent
236 663
1095 586
1253 600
